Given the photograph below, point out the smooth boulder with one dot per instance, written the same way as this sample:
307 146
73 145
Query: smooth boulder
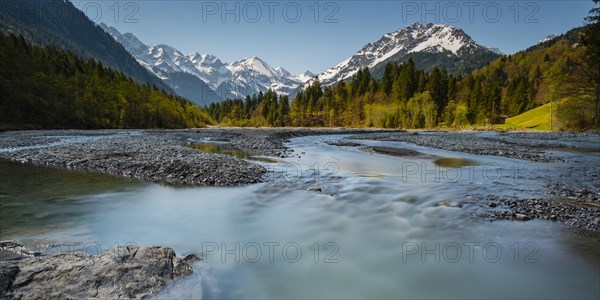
123 272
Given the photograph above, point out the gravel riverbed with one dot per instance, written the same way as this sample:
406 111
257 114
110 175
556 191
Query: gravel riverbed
148 156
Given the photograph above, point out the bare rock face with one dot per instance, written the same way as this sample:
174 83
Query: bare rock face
123 272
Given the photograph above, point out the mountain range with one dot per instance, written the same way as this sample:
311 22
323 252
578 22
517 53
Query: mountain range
204 78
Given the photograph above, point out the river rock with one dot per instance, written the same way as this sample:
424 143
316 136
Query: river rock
123 272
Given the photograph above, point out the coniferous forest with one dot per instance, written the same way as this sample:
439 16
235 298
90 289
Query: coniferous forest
44 87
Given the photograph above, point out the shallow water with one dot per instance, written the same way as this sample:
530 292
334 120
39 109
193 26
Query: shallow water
382 227
223 148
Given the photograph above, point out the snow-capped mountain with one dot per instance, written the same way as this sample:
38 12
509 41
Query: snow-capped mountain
223 80
428 44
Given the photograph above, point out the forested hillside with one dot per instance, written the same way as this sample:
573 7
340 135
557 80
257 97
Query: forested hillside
407 97
527 79
61 24
45 87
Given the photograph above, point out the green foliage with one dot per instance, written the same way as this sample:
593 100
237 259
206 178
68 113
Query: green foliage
44 87
421 111
405 83
384 115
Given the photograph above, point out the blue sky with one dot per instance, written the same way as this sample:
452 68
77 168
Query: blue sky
315 35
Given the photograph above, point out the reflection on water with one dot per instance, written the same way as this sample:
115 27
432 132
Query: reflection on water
37 197
222 148
361 236
453 162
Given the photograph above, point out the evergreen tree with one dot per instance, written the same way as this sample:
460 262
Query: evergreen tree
438 87
283 111
389 75
408 84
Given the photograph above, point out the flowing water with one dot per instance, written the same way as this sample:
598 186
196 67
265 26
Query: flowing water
330 222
